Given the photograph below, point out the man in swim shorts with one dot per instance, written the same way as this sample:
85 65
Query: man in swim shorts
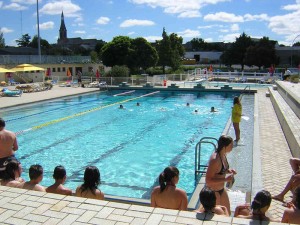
8 146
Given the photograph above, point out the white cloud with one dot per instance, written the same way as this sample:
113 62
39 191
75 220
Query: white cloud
47 25
208 40
210 26
287 25
56 7
189 33
79 32
1 3
229 37
29 2
261 17
103 20
130 33
234 27
132 22
184 8
5 30
292 7
224 30
153 38
14 6
224 17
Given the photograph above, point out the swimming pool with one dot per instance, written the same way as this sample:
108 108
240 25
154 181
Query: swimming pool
130 147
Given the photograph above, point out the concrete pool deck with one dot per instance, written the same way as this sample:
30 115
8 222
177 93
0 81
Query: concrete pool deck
18 206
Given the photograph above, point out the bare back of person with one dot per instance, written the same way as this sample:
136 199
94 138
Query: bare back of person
218 209
11 183
89 194
8 143
59 189
32 186
170 198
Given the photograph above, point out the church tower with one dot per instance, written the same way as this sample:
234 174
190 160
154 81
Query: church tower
62 30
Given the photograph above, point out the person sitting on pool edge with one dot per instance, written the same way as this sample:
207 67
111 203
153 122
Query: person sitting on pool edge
208 203
259 207
292 214
12 175
36 176
167 195
294 181
60 176
89 188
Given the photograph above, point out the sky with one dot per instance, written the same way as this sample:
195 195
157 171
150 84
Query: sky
211 20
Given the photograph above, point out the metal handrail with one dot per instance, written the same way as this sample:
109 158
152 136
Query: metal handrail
199 168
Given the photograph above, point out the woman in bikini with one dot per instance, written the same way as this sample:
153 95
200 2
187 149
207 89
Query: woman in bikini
218 172
89 188
167 195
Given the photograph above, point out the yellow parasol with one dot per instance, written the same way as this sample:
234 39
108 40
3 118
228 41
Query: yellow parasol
3 70
27 67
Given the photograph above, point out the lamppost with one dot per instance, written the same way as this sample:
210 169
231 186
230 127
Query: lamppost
292 49
38 28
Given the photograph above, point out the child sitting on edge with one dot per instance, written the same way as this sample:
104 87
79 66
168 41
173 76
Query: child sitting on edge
36 176
60 177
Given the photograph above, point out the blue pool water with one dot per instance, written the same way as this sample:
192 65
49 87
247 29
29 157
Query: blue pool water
130 147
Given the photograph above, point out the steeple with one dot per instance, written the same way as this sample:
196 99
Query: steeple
62 29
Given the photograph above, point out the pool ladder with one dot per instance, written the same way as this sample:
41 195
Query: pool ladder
201 168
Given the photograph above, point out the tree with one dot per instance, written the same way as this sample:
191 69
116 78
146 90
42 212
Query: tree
164 51
177 51
142 54
45 46
296 44
198 44
116 52
237 51
98 48
119 71
2 40
24 41
94 56
261 54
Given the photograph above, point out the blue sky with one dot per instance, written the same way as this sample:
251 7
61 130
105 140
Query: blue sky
211 20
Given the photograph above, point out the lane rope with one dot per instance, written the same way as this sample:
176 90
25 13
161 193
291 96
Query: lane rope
124 93
82 113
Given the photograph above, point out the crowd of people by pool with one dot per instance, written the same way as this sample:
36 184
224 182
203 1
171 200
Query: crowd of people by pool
213 197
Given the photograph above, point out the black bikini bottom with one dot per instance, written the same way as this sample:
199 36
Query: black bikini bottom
220 191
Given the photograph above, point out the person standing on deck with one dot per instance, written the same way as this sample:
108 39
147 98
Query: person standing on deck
8 146
236 116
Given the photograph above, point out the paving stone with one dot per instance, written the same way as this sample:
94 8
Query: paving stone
7 214
74 211
154 219
60 205
55 214
36 218
136 214
87 216
23 212
125 219
69 219
90 207
52 221
17 221
99 221
105 212
138 221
